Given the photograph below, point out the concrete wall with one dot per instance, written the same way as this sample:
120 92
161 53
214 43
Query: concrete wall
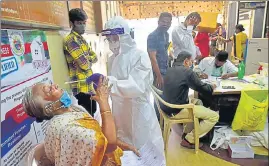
58 62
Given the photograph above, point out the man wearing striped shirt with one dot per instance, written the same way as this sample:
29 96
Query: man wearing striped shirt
80 58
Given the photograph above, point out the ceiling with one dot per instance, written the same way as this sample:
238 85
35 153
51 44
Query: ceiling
152 9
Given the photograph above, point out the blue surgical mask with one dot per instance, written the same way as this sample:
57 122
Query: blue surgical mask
65 99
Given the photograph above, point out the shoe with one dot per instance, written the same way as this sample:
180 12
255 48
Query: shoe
185 143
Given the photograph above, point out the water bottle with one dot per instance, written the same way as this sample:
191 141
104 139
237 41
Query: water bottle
241 70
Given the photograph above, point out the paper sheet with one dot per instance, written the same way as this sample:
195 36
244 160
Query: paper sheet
149 157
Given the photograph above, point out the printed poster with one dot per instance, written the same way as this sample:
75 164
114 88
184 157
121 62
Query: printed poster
25 62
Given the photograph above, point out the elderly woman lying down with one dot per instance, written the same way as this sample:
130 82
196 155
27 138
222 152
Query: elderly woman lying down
73 137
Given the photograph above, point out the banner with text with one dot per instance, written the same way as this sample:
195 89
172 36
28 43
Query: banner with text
25 62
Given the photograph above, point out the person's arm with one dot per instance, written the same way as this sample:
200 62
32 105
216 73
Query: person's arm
196 84
92 56
108 124
152 51
228 40
79 56
232 70
200 70
155 66
137 81
126 147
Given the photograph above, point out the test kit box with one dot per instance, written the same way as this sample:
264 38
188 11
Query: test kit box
239 147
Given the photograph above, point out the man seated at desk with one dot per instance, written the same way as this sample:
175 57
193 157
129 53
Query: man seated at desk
218 66
177 82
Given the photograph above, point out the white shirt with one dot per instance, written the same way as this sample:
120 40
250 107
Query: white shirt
207 66
183 41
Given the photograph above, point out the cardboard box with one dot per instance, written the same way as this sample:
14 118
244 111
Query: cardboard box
208 23
239 147
205 29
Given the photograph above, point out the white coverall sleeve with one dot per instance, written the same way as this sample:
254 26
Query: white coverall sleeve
137 82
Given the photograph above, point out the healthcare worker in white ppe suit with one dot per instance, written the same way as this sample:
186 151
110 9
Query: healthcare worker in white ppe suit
130 73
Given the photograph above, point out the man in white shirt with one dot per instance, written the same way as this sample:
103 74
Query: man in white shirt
182 35
218 66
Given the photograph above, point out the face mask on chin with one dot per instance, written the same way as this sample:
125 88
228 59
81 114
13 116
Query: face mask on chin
65 99
115 47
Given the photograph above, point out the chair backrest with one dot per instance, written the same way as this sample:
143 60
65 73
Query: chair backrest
37 156
156 93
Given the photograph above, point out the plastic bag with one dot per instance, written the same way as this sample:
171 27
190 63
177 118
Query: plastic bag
252 111
221 137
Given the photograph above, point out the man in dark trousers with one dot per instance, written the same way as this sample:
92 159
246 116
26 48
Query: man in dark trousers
177 82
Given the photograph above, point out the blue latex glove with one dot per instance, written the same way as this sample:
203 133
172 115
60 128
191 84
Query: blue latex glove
94 79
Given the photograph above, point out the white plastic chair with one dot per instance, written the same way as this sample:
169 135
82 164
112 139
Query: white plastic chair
37 156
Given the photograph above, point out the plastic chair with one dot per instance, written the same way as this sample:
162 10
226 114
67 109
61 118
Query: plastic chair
167 121
37 156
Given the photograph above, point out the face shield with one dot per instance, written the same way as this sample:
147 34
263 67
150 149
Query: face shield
118 36
113 39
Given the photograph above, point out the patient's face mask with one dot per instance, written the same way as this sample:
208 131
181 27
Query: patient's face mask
65 99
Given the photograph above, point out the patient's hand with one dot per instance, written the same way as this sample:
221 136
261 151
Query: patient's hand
125 147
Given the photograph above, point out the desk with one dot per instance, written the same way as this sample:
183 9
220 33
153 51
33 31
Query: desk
226 100
246 84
